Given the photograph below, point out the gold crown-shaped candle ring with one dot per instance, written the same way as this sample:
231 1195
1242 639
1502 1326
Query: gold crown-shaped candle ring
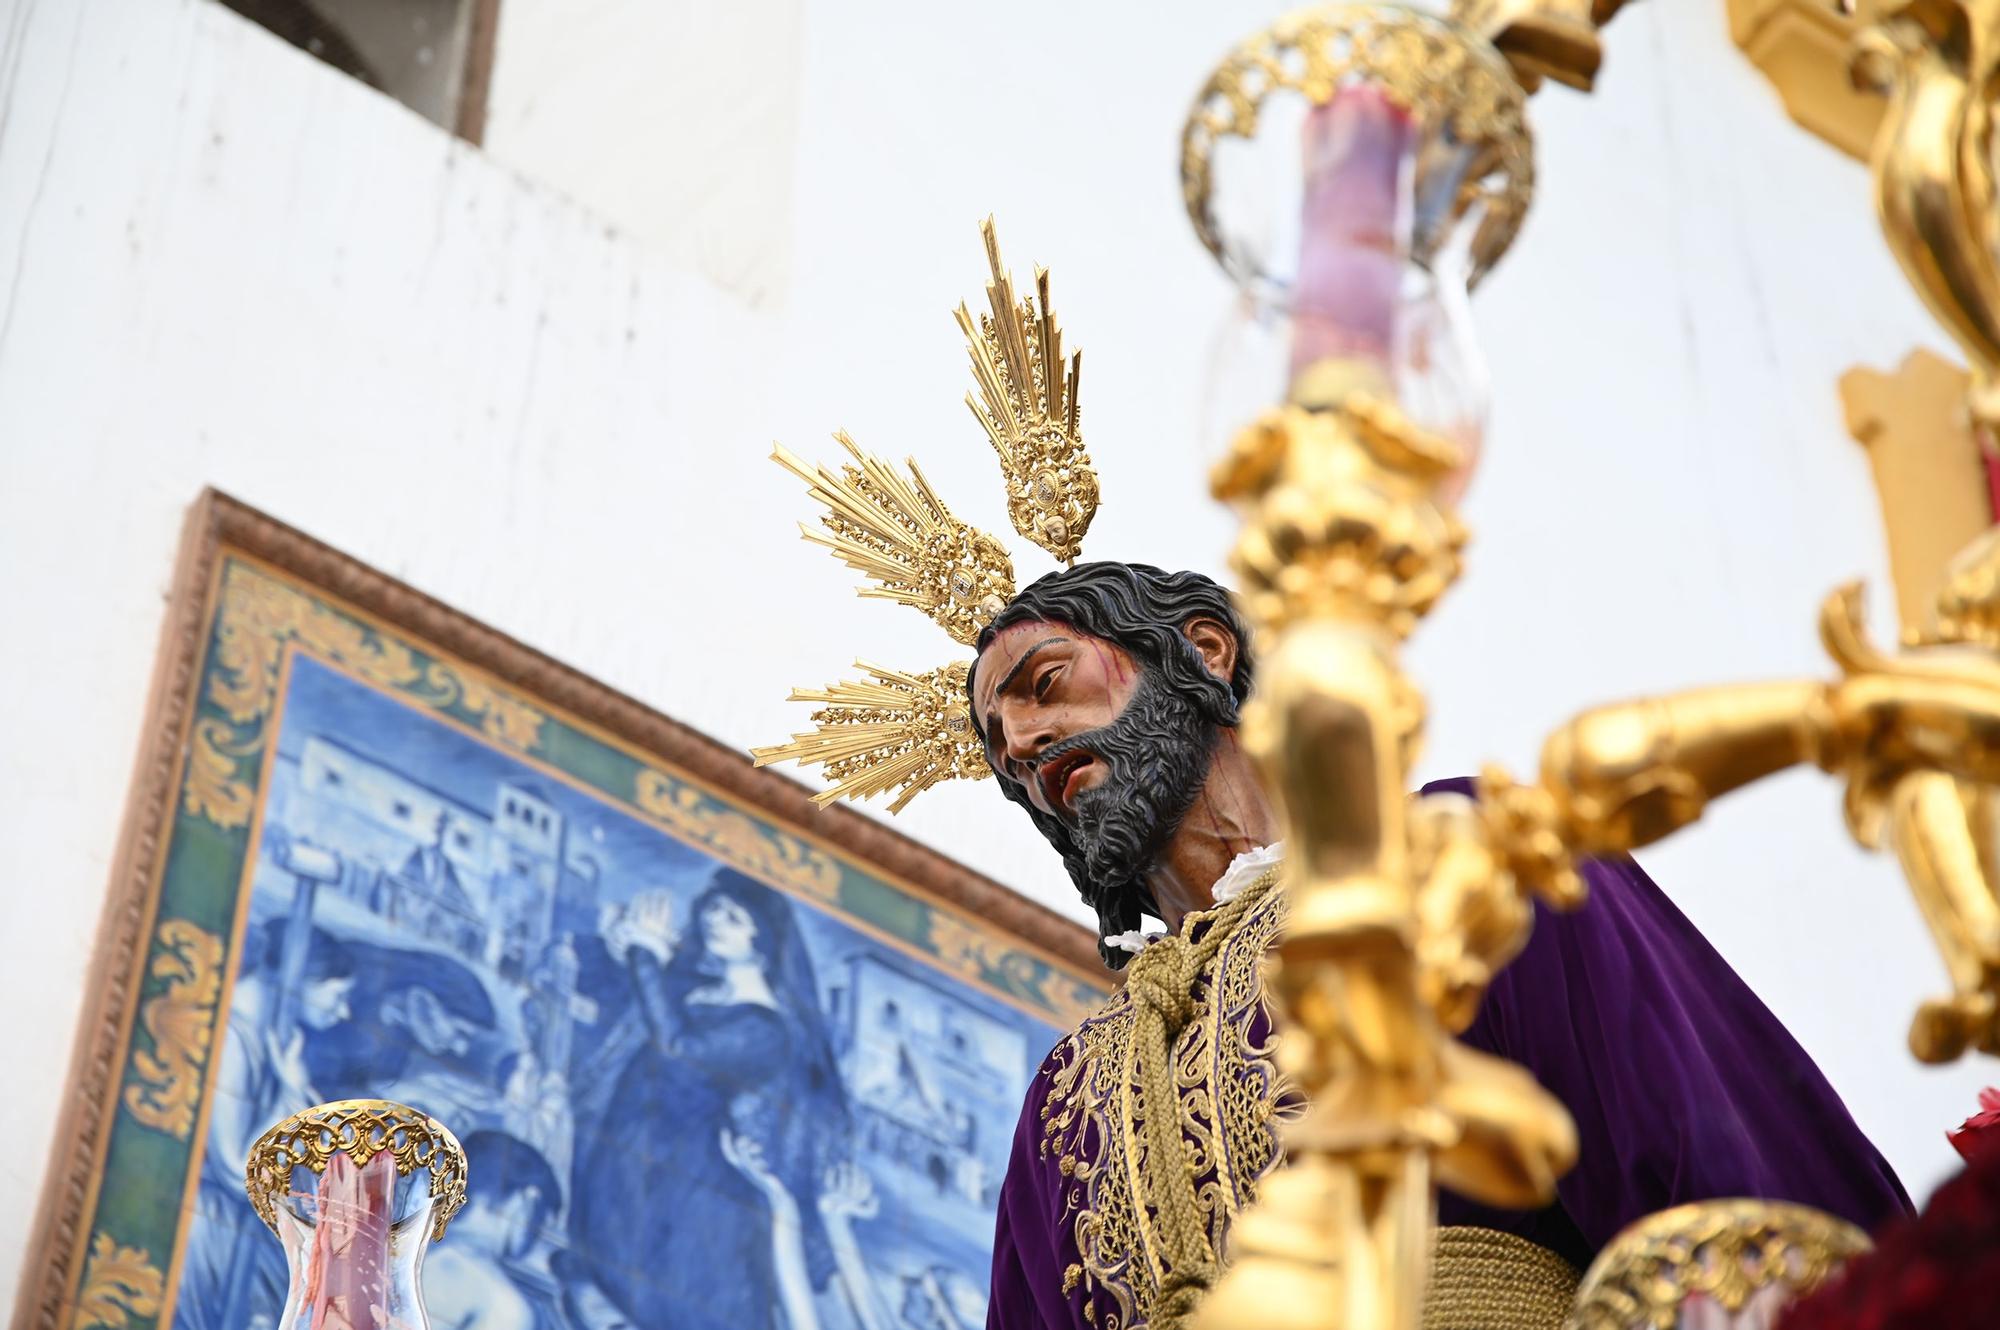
361 1129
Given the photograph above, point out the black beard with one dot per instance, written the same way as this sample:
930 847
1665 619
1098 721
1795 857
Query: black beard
1157 755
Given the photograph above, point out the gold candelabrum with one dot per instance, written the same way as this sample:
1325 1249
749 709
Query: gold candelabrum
1402 911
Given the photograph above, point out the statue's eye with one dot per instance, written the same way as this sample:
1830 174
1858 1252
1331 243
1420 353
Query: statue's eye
1043 681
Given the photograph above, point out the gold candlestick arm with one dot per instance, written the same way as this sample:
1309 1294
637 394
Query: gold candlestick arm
1925 762
1915 735
1944 833
1625 775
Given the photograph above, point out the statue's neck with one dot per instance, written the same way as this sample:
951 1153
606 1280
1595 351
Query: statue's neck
1230 816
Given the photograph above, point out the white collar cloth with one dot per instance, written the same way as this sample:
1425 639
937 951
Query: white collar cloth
1243 870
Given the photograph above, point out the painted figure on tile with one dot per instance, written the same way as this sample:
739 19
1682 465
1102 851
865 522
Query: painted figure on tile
416 1033
470 1282
726 1118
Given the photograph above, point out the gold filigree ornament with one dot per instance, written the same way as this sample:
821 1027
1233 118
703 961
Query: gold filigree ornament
1445 74
1729 1252
899 731
359 1129
1027 404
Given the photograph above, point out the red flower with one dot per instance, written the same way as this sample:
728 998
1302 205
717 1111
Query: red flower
1981 1130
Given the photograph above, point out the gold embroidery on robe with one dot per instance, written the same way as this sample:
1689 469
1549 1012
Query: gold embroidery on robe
1227 1091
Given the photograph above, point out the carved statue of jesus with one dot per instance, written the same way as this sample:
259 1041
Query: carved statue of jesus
1107 698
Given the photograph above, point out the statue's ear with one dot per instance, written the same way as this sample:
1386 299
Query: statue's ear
1216 643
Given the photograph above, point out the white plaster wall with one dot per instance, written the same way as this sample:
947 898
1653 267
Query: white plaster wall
674 122
223 263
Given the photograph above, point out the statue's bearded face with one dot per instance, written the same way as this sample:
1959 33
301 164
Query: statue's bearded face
1103 749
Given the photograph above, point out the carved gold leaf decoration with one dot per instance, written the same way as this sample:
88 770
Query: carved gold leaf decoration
502 716
737 840
1876 765
894 731
259 615
898 532
1339 517
181 1022
119 1283
1027 404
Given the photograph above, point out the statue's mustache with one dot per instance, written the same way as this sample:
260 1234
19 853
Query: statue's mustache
1110 743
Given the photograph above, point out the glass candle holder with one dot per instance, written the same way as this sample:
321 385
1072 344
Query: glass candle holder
1355 170
355 1191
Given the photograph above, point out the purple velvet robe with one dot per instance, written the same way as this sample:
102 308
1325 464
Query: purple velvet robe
1683 1085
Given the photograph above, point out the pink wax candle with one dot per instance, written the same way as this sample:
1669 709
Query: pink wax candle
1352 242
348 1284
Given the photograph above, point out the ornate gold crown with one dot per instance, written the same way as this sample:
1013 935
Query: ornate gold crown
908 731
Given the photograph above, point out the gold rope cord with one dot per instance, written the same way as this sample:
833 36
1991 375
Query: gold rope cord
1483 1279
1097 1118
1161 983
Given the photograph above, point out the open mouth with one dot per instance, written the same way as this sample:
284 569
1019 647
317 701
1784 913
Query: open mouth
1059 778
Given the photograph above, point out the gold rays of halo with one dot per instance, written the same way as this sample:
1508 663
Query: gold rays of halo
1029 409
896 731
899 532
905 732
